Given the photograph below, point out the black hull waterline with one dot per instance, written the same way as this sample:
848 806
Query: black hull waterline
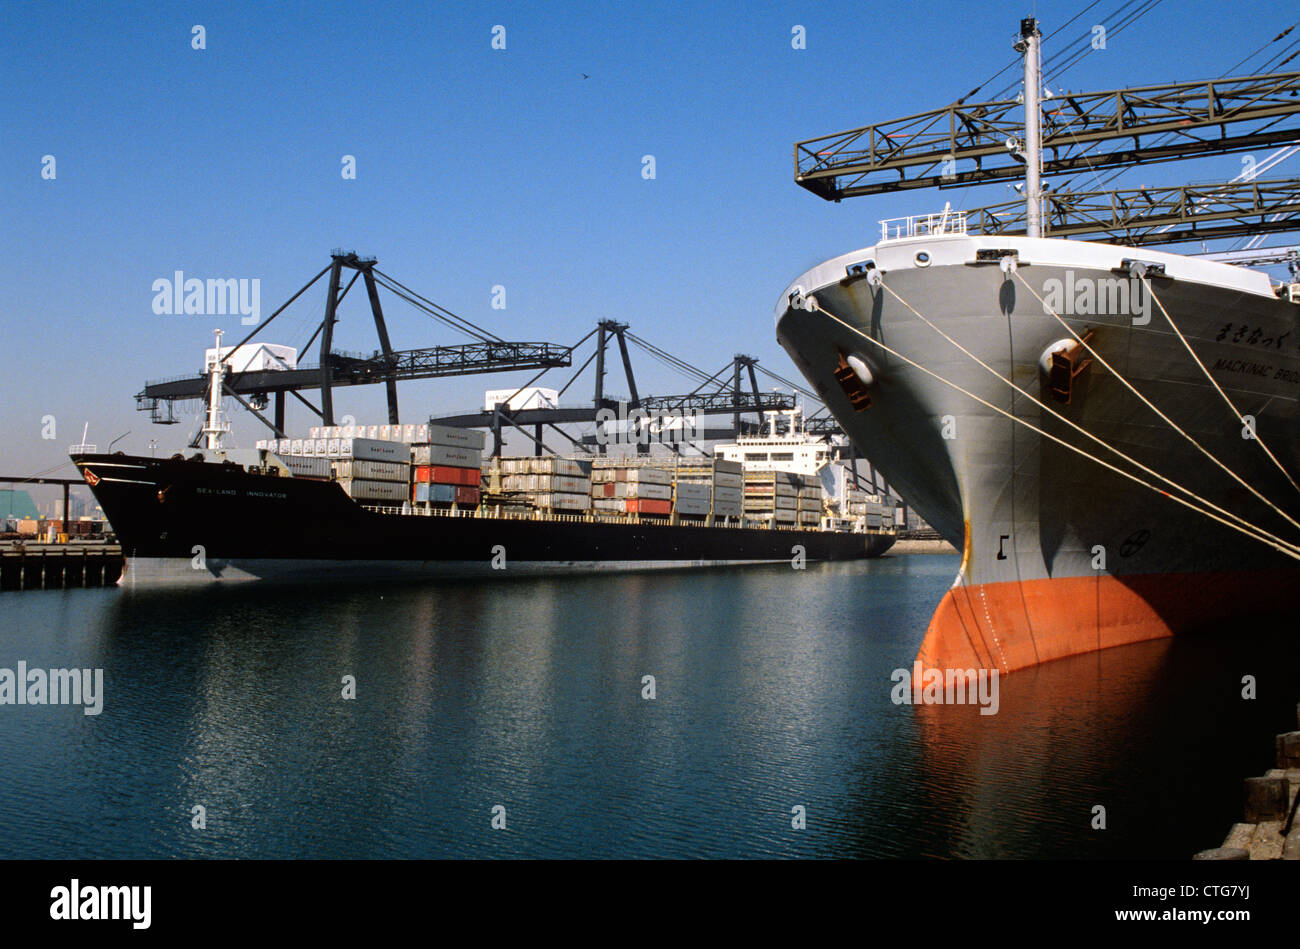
190 522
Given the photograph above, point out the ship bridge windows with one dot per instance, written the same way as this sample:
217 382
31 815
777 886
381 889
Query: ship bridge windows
756 456
783 456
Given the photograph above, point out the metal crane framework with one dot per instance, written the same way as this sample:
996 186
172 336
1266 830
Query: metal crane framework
980 143
254 389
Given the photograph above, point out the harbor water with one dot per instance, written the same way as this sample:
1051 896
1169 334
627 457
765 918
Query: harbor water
526 703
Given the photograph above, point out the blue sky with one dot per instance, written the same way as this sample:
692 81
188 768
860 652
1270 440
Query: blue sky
474 168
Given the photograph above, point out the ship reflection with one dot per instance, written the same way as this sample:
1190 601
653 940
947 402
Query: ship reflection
1046 759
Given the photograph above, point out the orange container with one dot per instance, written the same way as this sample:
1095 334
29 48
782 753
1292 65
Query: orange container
648 506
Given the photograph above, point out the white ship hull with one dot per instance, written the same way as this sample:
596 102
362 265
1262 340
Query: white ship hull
1060 554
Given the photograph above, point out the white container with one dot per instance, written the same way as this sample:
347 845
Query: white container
650 476
303 466
651 492
376 490
349 468
450 455
563 502
373 449
456 437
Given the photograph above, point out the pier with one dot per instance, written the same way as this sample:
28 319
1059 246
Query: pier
58 566
1271 827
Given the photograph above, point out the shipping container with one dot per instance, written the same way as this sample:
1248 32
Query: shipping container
546 464
302 466
454 437
647 506
359 490
446 474
545 483
722 493
562 502
349 468
691 506
457 456
685 490
467 496
433 493
648 490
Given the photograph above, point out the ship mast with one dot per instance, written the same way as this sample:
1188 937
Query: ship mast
213 427
1031 44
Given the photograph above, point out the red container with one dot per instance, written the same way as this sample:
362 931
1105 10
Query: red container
444 474
648 506
466 495
604 489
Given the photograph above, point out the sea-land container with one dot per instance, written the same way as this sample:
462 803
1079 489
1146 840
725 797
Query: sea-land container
453 437
361 490
648 490
457 456
302 466
348 468
691 506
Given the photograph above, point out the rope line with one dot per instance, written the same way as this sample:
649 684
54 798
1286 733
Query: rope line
1197 359
1149 404
1288 550
1264 534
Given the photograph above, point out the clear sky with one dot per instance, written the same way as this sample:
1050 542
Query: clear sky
475 167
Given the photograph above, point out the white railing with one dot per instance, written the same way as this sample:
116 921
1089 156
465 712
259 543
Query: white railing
923 225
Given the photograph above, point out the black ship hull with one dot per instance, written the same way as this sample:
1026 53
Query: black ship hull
191 522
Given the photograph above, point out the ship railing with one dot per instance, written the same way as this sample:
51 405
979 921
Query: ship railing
923 225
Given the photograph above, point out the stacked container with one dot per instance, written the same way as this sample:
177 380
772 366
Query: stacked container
412 434
728 488
548 482
638 489
810 501
774 495
692 499
447 464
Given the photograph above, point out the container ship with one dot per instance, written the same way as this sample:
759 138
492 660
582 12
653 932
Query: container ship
421 500
1108 434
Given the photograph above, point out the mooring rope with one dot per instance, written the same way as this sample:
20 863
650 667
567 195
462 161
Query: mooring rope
1197 359
1149 404
1083 431
1284 547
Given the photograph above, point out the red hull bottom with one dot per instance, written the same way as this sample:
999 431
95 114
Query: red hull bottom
1014 625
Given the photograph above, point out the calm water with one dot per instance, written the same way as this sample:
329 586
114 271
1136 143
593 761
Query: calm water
772 691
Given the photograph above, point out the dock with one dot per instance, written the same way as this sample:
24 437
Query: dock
59 566
1271 827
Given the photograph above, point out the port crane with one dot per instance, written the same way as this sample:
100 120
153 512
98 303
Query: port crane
981 142
254 389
